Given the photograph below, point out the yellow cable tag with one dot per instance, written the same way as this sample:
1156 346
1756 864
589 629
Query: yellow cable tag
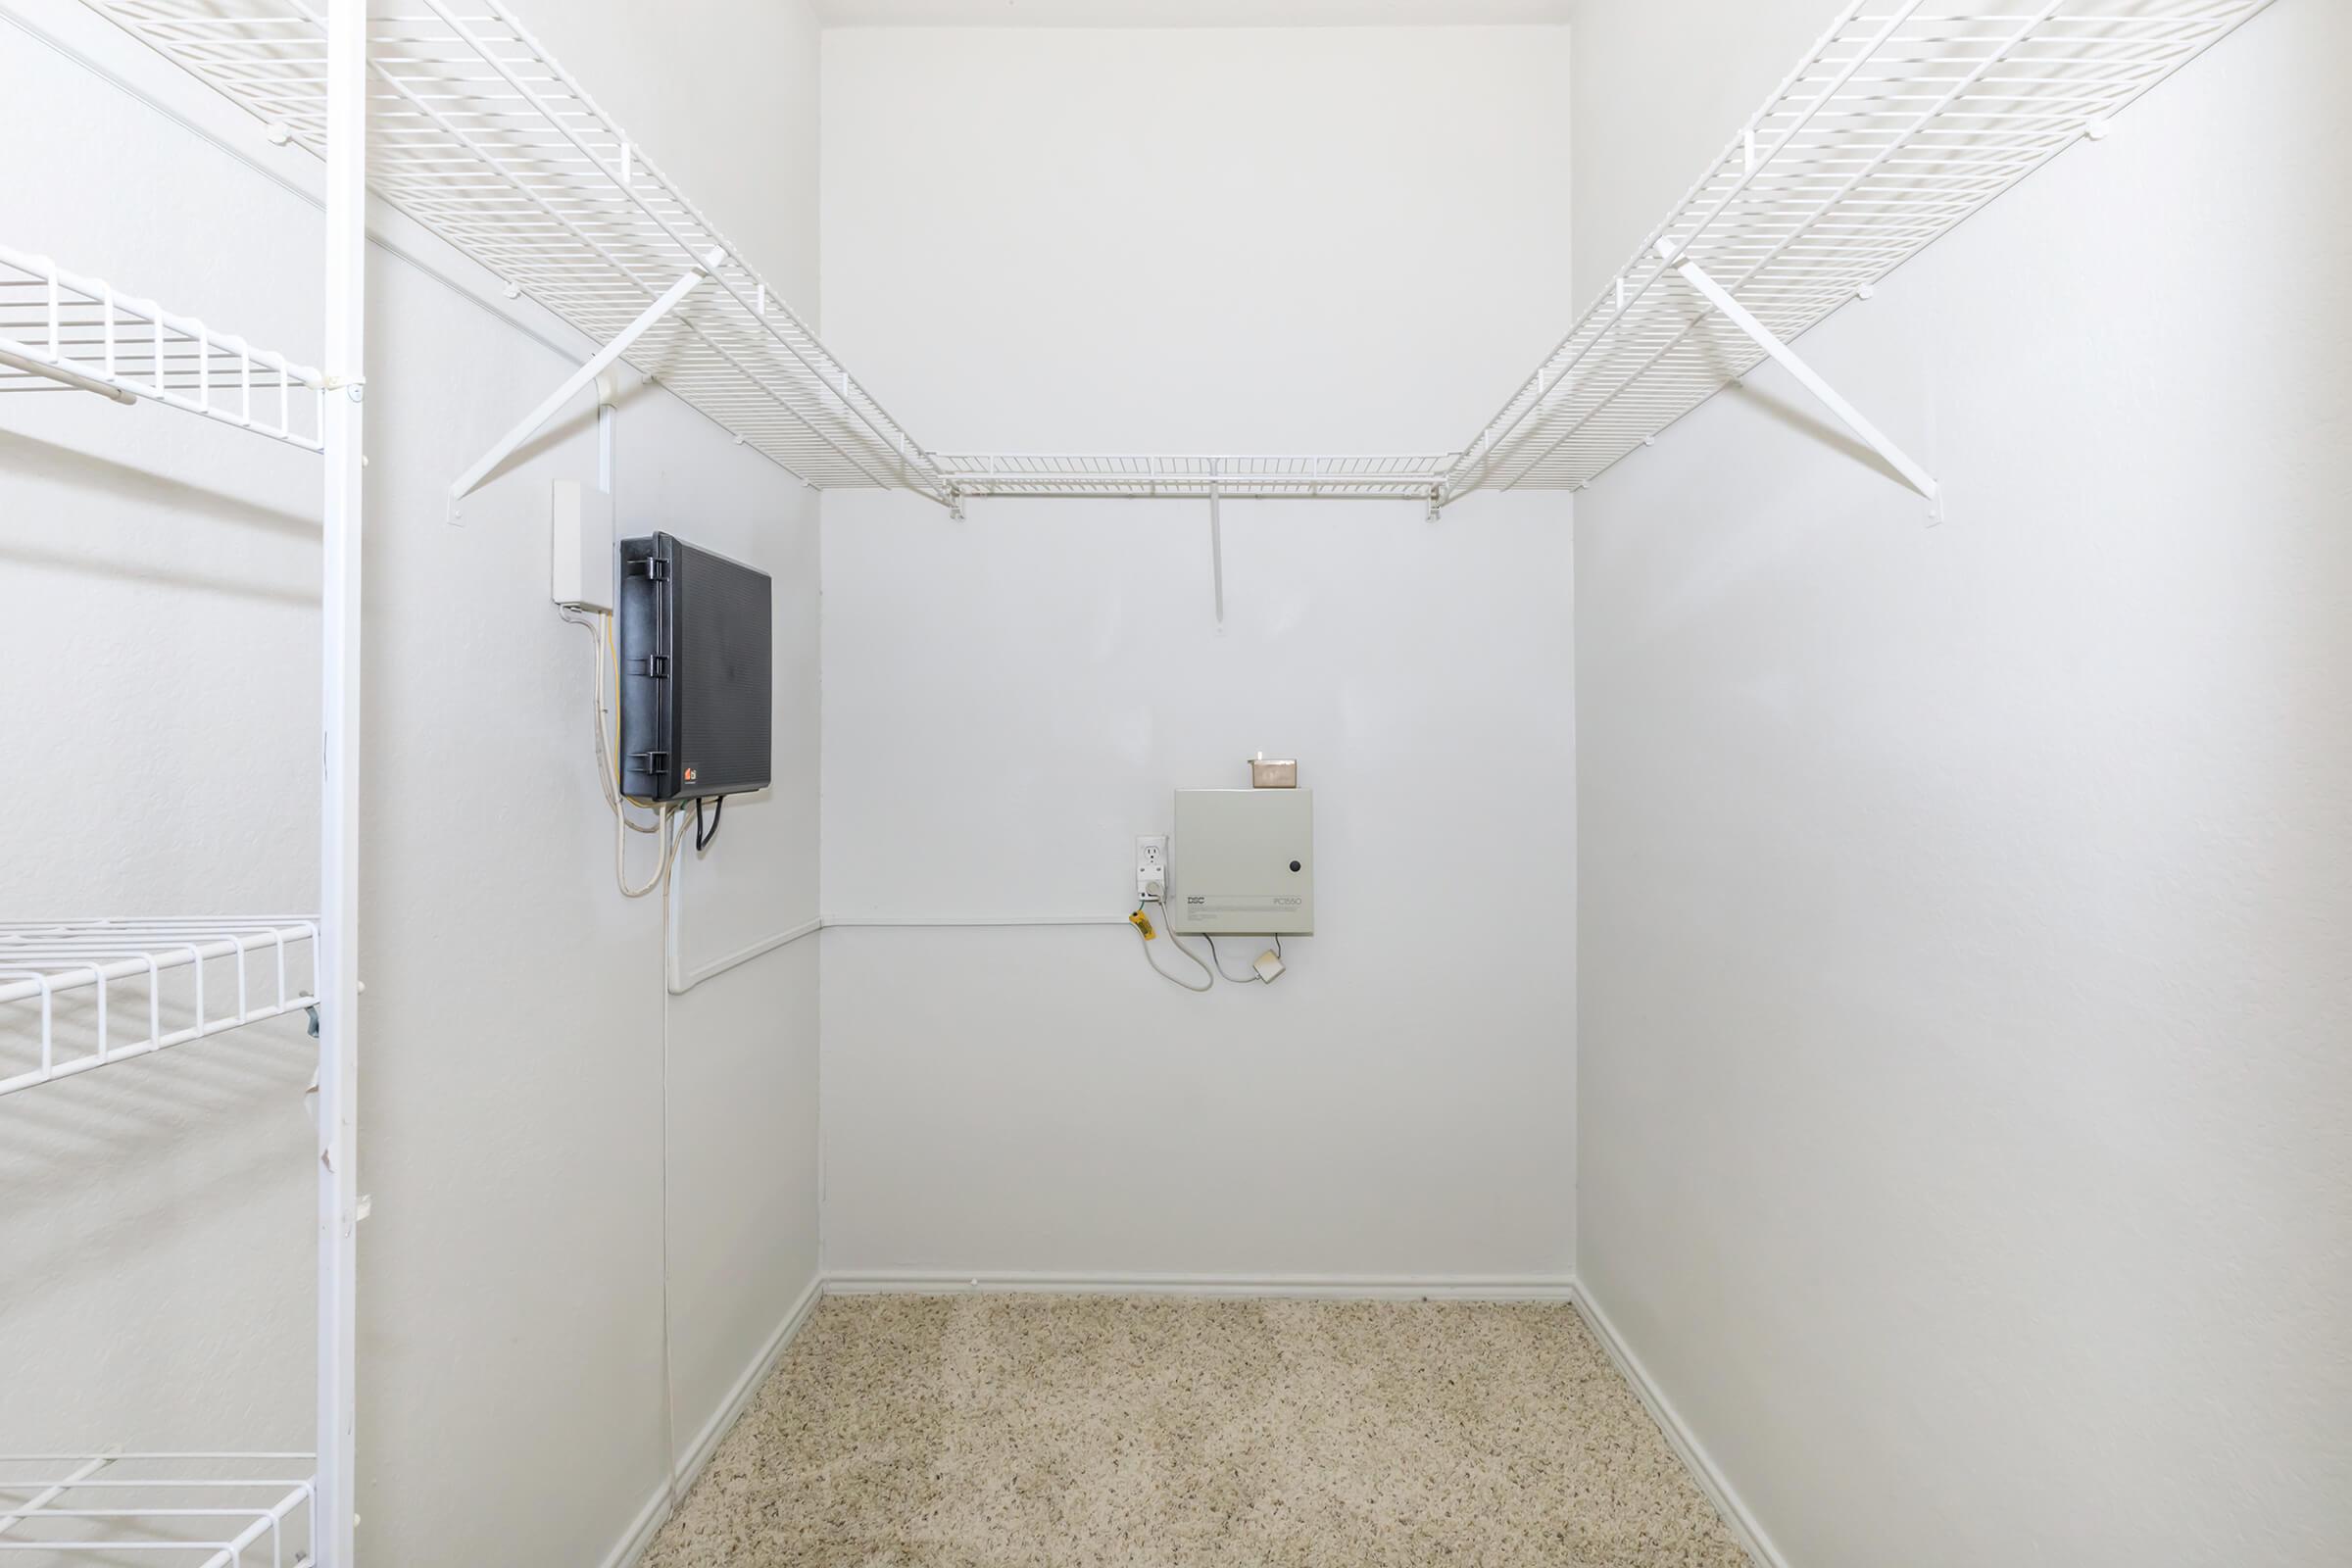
1143 923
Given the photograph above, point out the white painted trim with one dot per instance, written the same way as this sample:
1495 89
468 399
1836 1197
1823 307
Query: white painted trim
655 1512
641 1531
950 922
1687 1447
1302 1287
740 957
679 986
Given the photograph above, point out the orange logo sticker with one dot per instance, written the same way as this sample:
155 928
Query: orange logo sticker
690 775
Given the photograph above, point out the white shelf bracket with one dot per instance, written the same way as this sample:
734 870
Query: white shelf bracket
574 384
1869 435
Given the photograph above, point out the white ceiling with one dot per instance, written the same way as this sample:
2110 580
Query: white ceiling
1184 13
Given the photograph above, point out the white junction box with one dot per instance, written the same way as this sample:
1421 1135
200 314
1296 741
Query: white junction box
579 554
1244 861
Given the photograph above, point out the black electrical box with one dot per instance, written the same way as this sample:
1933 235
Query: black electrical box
696 667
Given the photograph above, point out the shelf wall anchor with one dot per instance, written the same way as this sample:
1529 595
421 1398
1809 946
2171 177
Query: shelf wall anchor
1715 294
574 384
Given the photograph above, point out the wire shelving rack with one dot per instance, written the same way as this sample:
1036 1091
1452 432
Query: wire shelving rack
62 331
81 994
1907 117
84 994
482 138
160 1510
78 994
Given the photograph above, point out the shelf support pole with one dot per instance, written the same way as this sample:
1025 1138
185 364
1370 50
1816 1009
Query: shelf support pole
1869 434
507 445
332 1516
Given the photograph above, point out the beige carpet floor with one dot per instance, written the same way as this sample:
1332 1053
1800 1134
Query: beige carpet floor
1053 1432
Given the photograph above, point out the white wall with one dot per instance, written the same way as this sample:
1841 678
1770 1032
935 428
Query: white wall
720 95
1332 240
1962 1093
1258 240
162 637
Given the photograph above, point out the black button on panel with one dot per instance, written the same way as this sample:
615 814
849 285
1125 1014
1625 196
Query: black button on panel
1294 865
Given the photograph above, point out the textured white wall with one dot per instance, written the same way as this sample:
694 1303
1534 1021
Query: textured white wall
720 95
161 639
1198 240
1005 709
1250 241
1962 1093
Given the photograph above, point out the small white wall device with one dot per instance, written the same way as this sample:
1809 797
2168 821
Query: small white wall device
1245 863
579 555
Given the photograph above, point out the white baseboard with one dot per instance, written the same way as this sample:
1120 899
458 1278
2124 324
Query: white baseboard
655 1511
1687 1447
1303 1287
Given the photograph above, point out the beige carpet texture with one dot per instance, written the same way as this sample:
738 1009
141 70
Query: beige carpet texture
1051 1431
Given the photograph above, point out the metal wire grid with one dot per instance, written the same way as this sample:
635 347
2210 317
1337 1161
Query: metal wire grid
1907 117
160 1510
82 994
61 331
1409 477
475 134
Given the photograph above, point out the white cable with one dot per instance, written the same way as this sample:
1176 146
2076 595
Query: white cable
665 817
1252 978
1209 976
670 851
598 625
607 736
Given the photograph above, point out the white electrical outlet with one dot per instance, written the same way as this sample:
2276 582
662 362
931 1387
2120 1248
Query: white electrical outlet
1150 866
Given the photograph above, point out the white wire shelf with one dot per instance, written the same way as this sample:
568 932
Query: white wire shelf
158 1510
1907 117
479 136
1195 479
61 331
76 995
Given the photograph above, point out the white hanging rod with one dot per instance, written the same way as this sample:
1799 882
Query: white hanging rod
1189 476
62 329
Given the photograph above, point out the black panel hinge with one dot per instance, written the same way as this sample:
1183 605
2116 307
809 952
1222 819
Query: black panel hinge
655 568
654 666
656 762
